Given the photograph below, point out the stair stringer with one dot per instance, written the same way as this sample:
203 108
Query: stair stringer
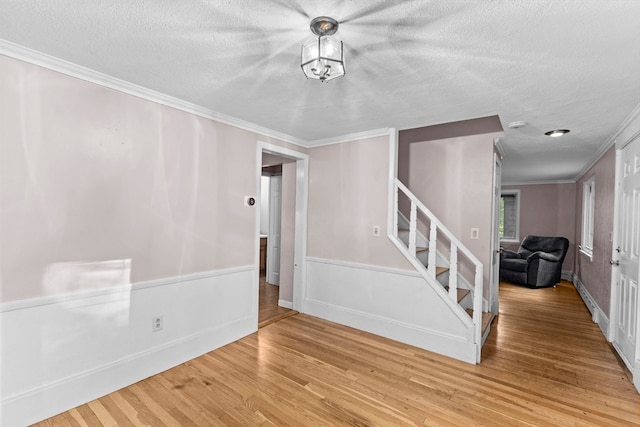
437 286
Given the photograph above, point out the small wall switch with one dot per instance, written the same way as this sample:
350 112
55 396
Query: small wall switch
157 323
475 233
249 201
376 230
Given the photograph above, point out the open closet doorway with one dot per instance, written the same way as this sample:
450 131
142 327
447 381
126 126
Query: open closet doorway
282 200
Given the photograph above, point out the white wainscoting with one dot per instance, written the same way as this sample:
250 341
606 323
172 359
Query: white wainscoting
597 315
396 304
62 351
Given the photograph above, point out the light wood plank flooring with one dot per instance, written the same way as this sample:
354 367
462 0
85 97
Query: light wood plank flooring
268 309
544 363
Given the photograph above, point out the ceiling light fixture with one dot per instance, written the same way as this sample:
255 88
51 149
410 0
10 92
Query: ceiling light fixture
516 125
557 132
323 58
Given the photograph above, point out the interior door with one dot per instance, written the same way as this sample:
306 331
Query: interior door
627 254
273 241
495 237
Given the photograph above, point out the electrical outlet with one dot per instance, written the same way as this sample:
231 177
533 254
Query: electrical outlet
376 230
157 323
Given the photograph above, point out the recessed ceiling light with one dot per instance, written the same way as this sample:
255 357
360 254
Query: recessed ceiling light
516 125
557 132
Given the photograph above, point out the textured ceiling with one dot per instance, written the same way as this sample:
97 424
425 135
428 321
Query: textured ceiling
551 63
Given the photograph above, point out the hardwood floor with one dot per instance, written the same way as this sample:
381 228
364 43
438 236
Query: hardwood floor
268 309
544 363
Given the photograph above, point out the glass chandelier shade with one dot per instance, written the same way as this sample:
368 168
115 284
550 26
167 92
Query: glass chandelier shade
323 57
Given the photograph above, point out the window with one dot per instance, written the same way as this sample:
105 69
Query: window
588 209
510 216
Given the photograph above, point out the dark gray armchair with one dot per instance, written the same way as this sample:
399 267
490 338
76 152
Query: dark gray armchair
536 264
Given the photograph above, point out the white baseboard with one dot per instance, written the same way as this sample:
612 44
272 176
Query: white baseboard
58 353
391 303
597 315
285 304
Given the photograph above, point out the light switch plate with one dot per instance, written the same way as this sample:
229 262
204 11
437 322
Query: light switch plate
475 233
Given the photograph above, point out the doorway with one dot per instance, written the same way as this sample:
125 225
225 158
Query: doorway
625 258
282 282
271 307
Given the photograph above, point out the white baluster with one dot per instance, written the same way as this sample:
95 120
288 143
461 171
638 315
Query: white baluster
433 236
453 272
413 225
396 203
477 303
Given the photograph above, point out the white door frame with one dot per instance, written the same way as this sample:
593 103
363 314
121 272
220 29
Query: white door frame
613 295
494 273
300 238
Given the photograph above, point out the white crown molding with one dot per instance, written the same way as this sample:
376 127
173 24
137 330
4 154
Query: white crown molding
31 56
40 59
626 123
499 146
556 181
611 141
348 138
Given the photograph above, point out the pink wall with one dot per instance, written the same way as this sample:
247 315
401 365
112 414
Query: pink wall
548 210
595 274
348 193
454 178
89 174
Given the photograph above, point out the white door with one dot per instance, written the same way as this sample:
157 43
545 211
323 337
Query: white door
495 237
627 254
273 241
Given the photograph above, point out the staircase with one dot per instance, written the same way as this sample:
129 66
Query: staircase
443 261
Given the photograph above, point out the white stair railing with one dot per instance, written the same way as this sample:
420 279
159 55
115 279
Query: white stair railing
456 247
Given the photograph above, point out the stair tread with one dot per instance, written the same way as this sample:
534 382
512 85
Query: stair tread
461 293
440 270
487 317
421 249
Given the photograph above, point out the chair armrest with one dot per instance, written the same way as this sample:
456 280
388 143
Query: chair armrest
507 253
543 255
